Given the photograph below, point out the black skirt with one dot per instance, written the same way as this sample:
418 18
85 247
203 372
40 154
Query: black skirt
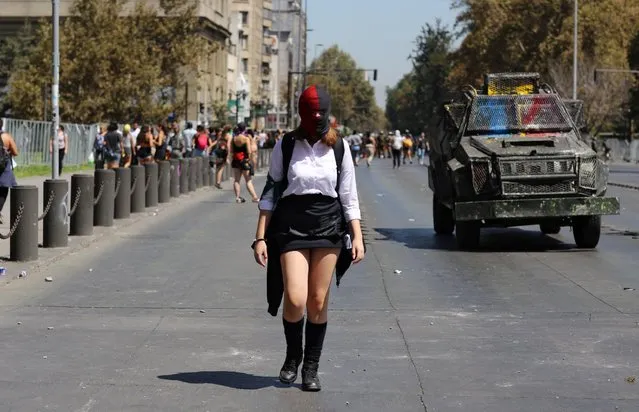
307 222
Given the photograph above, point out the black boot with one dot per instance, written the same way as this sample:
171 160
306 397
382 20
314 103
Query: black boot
314 341
293 333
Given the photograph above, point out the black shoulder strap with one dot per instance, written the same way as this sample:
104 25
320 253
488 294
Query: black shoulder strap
338 150
288 144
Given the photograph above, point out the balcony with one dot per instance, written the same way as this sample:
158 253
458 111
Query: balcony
268 5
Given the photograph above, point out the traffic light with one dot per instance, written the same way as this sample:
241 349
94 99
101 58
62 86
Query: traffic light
375 75
202 108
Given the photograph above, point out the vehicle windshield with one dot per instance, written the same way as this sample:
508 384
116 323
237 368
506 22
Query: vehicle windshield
513 114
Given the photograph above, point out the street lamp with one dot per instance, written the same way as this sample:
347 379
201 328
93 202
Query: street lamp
315 52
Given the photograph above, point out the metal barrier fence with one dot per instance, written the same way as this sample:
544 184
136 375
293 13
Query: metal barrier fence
624 151
33 137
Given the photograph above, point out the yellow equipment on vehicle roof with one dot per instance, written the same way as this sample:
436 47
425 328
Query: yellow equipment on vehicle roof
496 84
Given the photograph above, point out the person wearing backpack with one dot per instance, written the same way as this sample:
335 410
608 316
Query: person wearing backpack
307 209
201 142
8 150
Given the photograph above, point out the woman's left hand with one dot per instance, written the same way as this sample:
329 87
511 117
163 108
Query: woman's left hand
358 250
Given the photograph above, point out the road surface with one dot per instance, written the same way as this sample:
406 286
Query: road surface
172 317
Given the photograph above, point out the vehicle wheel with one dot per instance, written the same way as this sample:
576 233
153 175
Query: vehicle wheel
587 231
550 228
467 234
443 220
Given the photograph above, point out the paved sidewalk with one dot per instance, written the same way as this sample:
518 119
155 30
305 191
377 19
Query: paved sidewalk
48 256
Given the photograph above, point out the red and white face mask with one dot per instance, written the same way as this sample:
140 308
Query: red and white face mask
314 111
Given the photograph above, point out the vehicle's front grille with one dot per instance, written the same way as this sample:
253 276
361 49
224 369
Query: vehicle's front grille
480 171
537 167
532 188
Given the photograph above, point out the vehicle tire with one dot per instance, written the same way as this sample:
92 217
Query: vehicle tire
550 228
587 231
467 234
443 221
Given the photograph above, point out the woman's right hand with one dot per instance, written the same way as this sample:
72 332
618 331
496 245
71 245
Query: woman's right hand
260 254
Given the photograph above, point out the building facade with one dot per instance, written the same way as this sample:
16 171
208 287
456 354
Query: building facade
290 28
204 94
254 60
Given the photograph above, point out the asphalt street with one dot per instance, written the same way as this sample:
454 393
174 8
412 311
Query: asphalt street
172 317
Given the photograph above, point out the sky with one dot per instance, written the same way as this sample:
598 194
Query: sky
378 34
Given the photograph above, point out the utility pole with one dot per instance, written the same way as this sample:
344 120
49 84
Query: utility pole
574 54
55 88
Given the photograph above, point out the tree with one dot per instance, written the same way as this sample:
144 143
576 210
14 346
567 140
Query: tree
353 98
413 103
13 52
114 68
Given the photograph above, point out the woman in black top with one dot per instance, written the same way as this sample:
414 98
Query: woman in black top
307 224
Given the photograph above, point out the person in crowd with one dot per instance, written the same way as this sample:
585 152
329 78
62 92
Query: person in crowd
202 142
307 227
407 147
254 148
98 147
112 146
188 134
128 146
161 142
369 144
421 148
176 143
241 163
221 153
63 147
135 130
8 150
355 142
144 145
396 148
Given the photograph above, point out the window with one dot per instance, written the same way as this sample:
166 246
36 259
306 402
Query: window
245 66
244 41
245 19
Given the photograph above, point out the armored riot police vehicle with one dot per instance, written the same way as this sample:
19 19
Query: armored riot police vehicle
511 154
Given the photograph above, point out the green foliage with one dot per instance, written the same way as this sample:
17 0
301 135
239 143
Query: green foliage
353 98
414 102
13 56
113 67
524 35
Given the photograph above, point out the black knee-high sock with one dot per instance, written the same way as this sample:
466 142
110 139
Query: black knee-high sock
315 333
293 332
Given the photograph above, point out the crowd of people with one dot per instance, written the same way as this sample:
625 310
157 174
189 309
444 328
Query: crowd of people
135 144
401 147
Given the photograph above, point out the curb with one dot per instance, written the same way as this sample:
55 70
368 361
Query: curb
623 185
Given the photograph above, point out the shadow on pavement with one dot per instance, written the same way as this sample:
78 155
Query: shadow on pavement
492 240
235 380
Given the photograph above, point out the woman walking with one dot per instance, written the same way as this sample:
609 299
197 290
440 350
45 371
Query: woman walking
307 228
8 150
241 163
63 143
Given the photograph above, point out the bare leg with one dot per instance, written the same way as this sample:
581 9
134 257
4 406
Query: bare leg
249 184
237 175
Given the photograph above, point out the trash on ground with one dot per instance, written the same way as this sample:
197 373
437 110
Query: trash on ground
398 272
411 220
23 274
48 279
3 271
202 311
90 269
631 379
627 288
50 328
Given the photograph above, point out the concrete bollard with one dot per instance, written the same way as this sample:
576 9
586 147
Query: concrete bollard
164 181
198 174
151 176
184 176
122 206
205 172
192 174
23 244
104 191
138 192
175 178
81 205
55 229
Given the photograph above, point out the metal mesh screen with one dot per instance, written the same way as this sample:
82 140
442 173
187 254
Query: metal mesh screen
511 114
456 113
588 173
480 175
531 188
537 167
576 110
511 83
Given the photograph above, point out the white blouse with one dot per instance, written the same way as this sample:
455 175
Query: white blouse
313 171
